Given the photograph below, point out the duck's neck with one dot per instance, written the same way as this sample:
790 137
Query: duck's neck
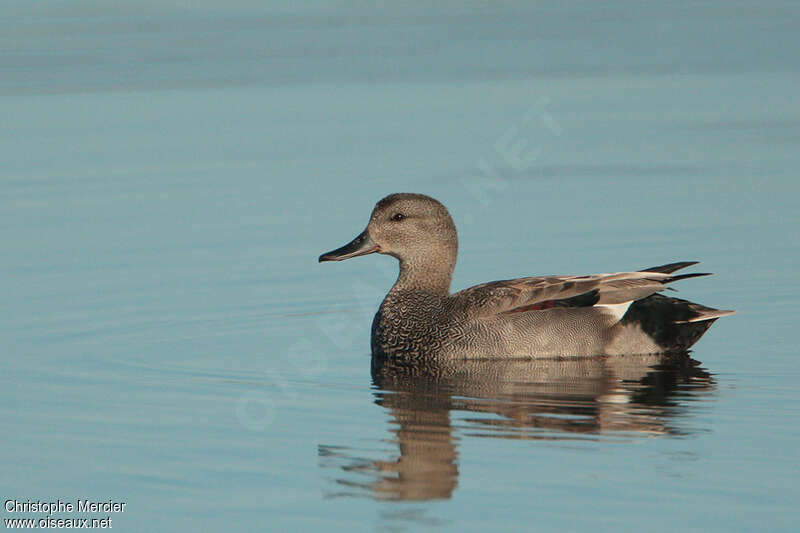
425 275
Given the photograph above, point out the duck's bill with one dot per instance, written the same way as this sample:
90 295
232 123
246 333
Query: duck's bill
361 245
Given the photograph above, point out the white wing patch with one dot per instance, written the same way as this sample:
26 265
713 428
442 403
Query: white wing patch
616 310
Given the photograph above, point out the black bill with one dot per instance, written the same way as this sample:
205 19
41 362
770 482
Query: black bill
361 245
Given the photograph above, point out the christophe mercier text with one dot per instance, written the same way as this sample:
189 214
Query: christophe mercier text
62 507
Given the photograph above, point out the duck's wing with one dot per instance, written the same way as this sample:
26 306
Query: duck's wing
615 291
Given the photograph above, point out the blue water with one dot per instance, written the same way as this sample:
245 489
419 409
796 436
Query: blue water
170 174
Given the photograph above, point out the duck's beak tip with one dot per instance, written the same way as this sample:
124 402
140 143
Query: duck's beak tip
361 245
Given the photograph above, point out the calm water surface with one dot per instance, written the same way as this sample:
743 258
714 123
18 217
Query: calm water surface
169 177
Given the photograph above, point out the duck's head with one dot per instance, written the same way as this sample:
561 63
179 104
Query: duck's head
414 228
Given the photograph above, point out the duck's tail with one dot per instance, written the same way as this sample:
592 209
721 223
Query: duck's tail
673 323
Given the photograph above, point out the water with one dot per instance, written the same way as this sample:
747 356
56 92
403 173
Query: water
169 176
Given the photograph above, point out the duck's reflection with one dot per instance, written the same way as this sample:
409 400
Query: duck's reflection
589 398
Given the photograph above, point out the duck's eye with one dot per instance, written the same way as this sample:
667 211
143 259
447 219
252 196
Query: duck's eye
397 217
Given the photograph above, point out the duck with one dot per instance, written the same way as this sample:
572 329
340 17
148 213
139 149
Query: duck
617 313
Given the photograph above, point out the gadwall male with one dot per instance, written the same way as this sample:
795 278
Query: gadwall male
549 316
